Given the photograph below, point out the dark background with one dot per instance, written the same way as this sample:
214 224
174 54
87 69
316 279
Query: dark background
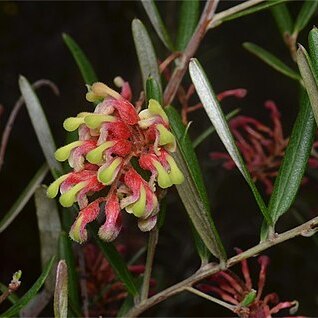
31 44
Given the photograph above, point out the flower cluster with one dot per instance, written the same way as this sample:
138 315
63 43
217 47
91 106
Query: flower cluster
248 302
262 147
111 139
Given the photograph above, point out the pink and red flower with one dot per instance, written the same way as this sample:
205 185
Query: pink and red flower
109 138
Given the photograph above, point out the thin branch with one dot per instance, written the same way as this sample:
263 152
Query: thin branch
210 298
152 243
14 113
226 13
307 229
189 52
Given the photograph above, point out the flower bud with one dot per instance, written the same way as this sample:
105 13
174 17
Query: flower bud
108 172
63 153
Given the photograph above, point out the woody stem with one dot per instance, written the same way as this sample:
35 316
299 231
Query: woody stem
152 243
189 52
307 229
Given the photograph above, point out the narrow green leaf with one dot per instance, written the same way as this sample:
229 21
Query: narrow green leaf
82 61
153 90
23 198
192 191
66 253
249 298
271 60
155 18
211 129
145 52
310 82
49 230
126 306
308 9
213 110
188 20
283 19
14 310
313 48
201 248
40 125
61 290
13 298
116 262
242 10
295 161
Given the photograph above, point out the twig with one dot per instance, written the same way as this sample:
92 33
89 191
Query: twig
152 243
14 113
190 50
13 286
226 13
210 298
307 229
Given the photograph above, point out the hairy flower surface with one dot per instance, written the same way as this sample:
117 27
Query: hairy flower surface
248 302
109 140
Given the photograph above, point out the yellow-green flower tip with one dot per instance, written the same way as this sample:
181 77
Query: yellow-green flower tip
138 208
68 198
72 123
95 120
156 109
100 90
95 156
78 234
108 174
163 178
53 188
166 138
91 97
175 174
63 153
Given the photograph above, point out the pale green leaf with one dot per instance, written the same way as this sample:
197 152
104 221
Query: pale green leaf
218 120
271 60
40 125
145 52
155 18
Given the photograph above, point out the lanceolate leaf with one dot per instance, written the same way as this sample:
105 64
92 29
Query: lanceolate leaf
40 125
307 10
49 230
313 48
188 20
23 198
155 18
83 63
14 310
153 90
192 191
283 19
310 82
61 289
66 253
271 60
218 120
145 52
295 161
116 262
